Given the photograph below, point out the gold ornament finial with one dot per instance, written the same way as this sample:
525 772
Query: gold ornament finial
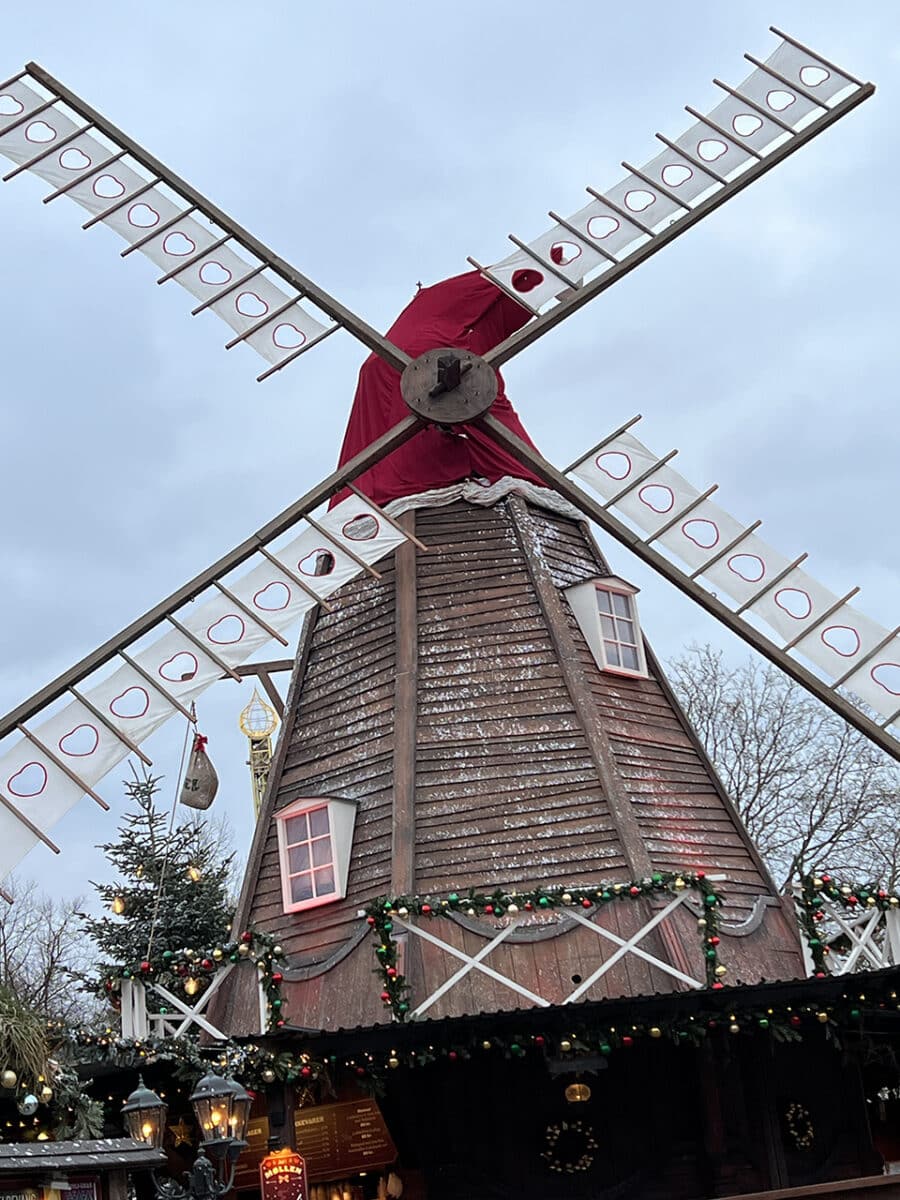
258 722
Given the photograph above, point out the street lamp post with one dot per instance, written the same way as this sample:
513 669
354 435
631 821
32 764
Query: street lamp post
222 1108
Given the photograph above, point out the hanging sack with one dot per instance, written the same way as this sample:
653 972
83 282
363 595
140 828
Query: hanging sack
200 781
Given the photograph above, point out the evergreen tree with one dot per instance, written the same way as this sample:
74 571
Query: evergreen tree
171 890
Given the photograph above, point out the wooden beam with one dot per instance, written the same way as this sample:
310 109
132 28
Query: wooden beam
612 525
403 815
575 300
334 482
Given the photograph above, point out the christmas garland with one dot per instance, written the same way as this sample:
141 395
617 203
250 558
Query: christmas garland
500 904
192 969
816 890
585 1145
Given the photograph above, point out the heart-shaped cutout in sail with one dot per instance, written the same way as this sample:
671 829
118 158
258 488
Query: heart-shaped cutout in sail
601 227
701 532
746 124
614 463
778 99
563 253
795 602
749 567
813 76
178 244
73 159
317 562
40 132
273 597
179 668
80 742
10 106
130 704
887 675
288 336
227 630
142 216
639 199
29 781
248 304
711 148
675 174
107 187
842 639
657 497
361 529
526 279
214 274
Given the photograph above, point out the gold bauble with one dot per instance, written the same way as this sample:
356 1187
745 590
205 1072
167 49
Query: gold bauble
655 1031
512 909
566 897
817 882
486 1045
243 949
822 1016
218 953
268 1075
721 969
679 884
393 1062
701 924
565 1046
734 1027
46 1094
8 1079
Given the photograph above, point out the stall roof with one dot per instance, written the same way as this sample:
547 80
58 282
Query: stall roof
92 1155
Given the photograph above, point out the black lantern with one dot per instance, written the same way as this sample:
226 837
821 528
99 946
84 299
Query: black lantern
145 1115
240 1110
213 1103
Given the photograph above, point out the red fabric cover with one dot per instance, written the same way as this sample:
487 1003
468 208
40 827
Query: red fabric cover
467 311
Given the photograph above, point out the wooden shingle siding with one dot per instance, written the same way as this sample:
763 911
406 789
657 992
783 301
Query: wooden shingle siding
531 767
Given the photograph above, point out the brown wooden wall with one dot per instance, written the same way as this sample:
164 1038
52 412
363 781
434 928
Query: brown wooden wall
524 764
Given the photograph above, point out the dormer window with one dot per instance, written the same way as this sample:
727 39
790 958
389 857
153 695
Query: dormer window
606 611
314 841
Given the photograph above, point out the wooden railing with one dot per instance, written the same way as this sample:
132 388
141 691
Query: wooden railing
872 1187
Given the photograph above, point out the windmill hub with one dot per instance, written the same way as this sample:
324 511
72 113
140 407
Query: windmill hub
449 386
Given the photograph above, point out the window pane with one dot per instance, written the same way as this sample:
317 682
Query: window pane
295 829
321 852
603 601
626 631
630 657
620 604
608 625
318 822
301 888
324 881
612 654
298 858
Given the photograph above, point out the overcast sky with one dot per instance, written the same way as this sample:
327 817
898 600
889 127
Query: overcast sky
376 145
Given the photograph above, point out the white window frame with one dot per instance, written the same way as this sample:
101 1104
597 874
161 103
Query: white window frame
341 822
583 601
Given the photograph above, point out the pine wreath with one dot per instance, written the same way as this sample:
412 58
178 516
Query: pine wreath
570 1147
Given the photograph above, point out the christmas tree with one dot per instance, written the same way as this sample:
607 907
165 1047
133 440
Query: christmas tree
171 892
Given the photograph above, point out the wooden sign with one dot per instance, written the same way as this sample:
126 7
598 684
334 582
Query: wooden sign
282 1176
247 1173
338 1140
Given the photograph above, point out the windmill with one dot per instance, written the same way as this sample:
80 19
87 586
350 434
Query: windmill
475 729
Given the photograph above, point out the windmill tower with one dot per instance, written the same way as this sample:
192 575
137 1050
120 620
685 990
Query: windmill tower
485 802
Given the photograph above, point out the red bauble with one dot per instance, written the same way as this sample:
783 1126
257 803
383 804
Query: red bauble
528 906
701 874
714 941
426 909
795 1021
246 936
717 987
386 997
391 972
306 1072
489 908
145 966
634 891
585 903
206 964
852 900
627 1041
539 1041
277 977
453 1056
360 1071
370 920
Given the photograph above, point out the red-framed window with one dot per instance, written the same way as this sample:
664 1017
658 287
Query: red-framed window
314 843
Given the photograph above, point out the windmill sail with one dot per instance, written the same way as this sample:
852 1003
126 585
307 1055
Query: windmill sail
784 102
55 763
49 131
850 649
